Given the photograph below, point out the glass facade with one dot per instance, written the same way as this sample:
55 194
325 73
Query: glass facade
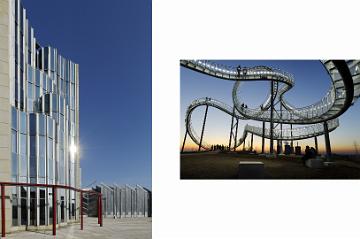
44 127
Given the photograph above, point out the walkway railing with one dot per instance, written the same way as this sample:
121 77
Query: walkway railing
54 201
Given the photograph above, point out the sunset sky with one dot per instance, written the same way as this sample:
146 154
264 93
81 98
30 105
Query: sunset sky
311 84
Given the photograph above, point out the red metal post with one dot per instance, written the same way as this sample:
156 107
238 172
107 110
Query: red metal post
81 212
2 210
54 210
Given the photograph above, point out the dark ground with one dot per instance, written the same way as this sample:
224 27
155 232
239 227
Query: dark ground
223 165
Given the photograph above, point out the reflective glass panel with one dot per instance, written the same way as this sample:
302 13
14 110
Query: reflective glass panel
42 129
50 131
14 141
13 118
23 144
33 145
33 166
23 122
42 146
32 124
30 90
14 164
23 166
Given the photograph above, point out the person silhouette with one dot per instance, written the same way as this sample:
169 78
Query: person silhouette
307 154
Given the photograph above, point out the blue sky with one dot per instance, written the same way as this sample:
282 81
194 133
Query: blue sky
311 84
111 41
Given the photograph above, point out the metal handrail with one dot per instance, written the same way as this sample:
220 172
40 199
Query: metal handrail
54 198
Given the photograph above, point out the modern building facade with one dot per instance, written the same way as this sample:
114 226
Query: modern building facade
39 123
121 201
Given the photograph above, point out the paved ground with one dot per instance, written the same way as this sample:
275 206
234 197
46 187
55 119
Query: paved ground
125 228
217 165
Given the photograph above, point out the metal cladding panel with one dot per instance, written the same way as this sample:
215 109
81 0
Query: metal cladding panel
146 206
133 203
140 201
123 202
117 201
128 203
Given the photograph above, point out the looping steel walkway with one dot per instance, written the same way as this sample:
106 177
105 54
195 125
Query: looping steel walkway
317 119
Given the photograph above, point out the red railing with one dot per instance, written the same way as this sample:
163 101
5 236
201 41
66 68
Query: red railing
54 189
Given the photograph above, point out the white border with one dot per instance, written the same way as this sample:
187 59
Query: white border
256 29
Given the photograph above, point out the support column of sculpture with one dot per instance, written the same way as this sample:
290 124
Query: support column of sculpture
252 141
203 127
231 129
263 138
327 141
292 141
186 133
236 130
280 147
271 119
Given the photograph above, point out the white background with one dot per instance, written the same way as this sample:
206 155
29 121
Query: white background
193 29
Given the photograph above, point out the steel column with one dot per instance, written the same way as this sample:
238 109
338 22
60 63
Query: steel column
316 146
231 129
186 132
281 127
271 119
81 212
263 138
327 141
3 210
252 140
203 127
292 141
54 210
237 124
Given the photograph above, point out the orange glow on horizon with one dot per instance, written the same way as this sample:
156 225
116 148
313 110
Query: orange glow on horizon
337 149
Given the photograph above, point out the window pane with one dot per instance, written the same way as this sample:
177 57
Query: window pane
13 118
23 166
50 132
14 211
41 166
23 144
23 122
37 77
32 167
32 124
30 75
33 207
42 155
14 141
23 210
42 206
33 148
47 104
42 124
30 90
14 164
